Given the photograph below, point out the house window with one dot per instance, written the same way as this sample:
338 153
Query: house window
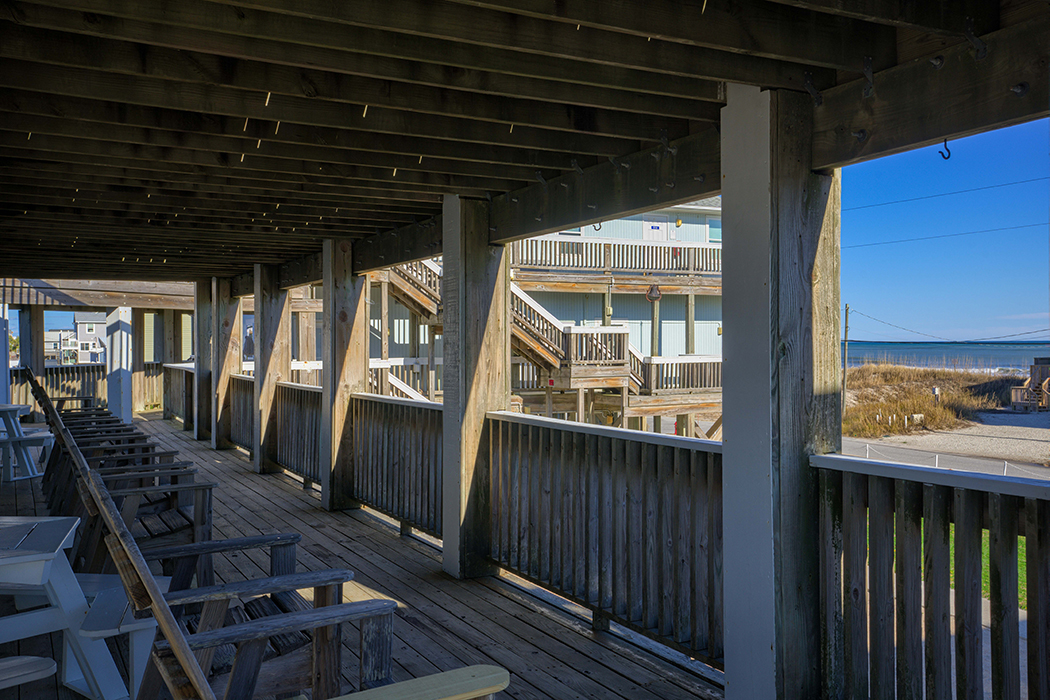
91 328
714 230
85 346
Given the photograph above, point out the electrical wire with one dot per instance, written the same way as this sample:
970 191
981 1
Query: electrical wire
948 340
893 325
945 235
947 194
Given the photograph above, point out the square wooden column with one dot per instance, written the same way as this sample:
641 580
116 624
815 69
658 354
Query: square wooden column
226 358
31 344
203 311
273 360
138 360
118 363
345 359
781 301
476 297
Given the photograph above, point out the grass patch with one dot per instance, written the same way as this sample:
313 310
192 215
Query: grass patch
986 586
880 397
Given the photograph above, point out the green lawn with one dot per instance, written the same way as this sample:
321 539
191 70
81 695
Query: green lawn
986 588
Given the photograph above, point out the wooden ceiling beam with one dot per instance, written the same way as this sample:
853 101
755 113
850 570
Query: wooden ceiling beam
257 165
938 16
917 104
466 38
248 104
752 28
38 205
34 103
103 189
406 244
313 153
346 91
172 175
675 99
689 170
53 193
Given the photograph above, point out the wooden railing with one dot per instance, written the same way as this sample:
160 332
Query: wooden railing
153 385
892 538
539 325
683 374
424 274
589 255
61 381
628 524
178 393
639 372
397 459
242 410
596 345
299 429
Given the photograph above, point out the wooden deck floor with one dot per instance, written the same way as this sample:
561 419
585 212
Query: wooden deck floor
441 623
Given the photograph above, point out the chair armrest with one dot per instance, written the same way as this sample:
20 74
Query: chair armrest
219 546
288 622
166 488
149 474
259 586
461 684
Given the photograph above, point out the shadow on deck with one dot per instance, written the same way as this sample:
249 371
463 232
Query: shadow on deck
442 623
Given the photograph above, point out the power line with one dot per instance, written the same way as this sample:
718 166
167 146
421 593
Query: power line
893 325
1012 335
946 235
947 194
937 337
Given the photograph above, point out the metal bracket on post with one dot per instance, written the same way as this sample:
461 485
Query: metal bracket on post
818 99
869 75
979 47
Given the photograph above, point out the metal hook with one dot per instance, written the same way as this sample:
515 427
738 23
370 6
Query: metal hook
807 83
576 166
597 226
869 75
979 47
946 157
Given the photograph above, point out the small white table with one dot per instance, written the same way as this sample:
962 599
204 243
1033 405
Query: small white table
32 561
15 443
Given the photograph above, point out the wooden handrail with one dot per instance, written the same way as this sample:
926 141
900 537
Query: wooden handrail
115 523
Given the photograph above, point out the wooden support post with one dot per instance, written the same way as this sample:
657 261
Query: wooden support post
138 360
168 349
345 359
476 377
118 362
607 306
227 324
581 410
654 331
431 365
384 336
781 290
273 360
5 374
31 344
413 349
176 337
203 312
684 425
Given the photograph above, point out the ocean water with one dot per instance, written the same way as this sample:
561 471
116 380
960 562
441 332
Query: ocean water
978 356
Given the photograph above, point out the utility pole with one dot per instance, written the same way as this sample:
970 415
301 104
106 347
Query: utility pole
845 358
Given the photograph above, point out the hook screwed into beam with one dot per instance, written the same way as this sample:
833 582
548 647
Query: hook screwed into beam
946 157
869 75
807 83
576 166
979 47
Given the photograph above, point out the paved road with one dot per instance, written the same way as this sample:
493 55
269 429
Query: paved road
892 453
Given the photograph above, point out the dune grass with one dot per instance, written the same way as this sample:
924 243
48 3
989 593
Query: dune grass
881 396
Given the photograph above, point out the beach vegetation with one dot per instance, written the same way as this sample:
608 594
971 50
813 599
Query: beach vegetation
885 399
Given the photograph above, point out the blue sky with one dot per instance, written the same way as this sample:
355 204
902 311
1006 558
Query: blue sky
961 287
956 288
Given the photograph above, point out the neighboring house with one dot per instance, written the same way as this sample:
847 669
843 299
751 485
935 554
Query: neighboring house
60 346
694 228
90 336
